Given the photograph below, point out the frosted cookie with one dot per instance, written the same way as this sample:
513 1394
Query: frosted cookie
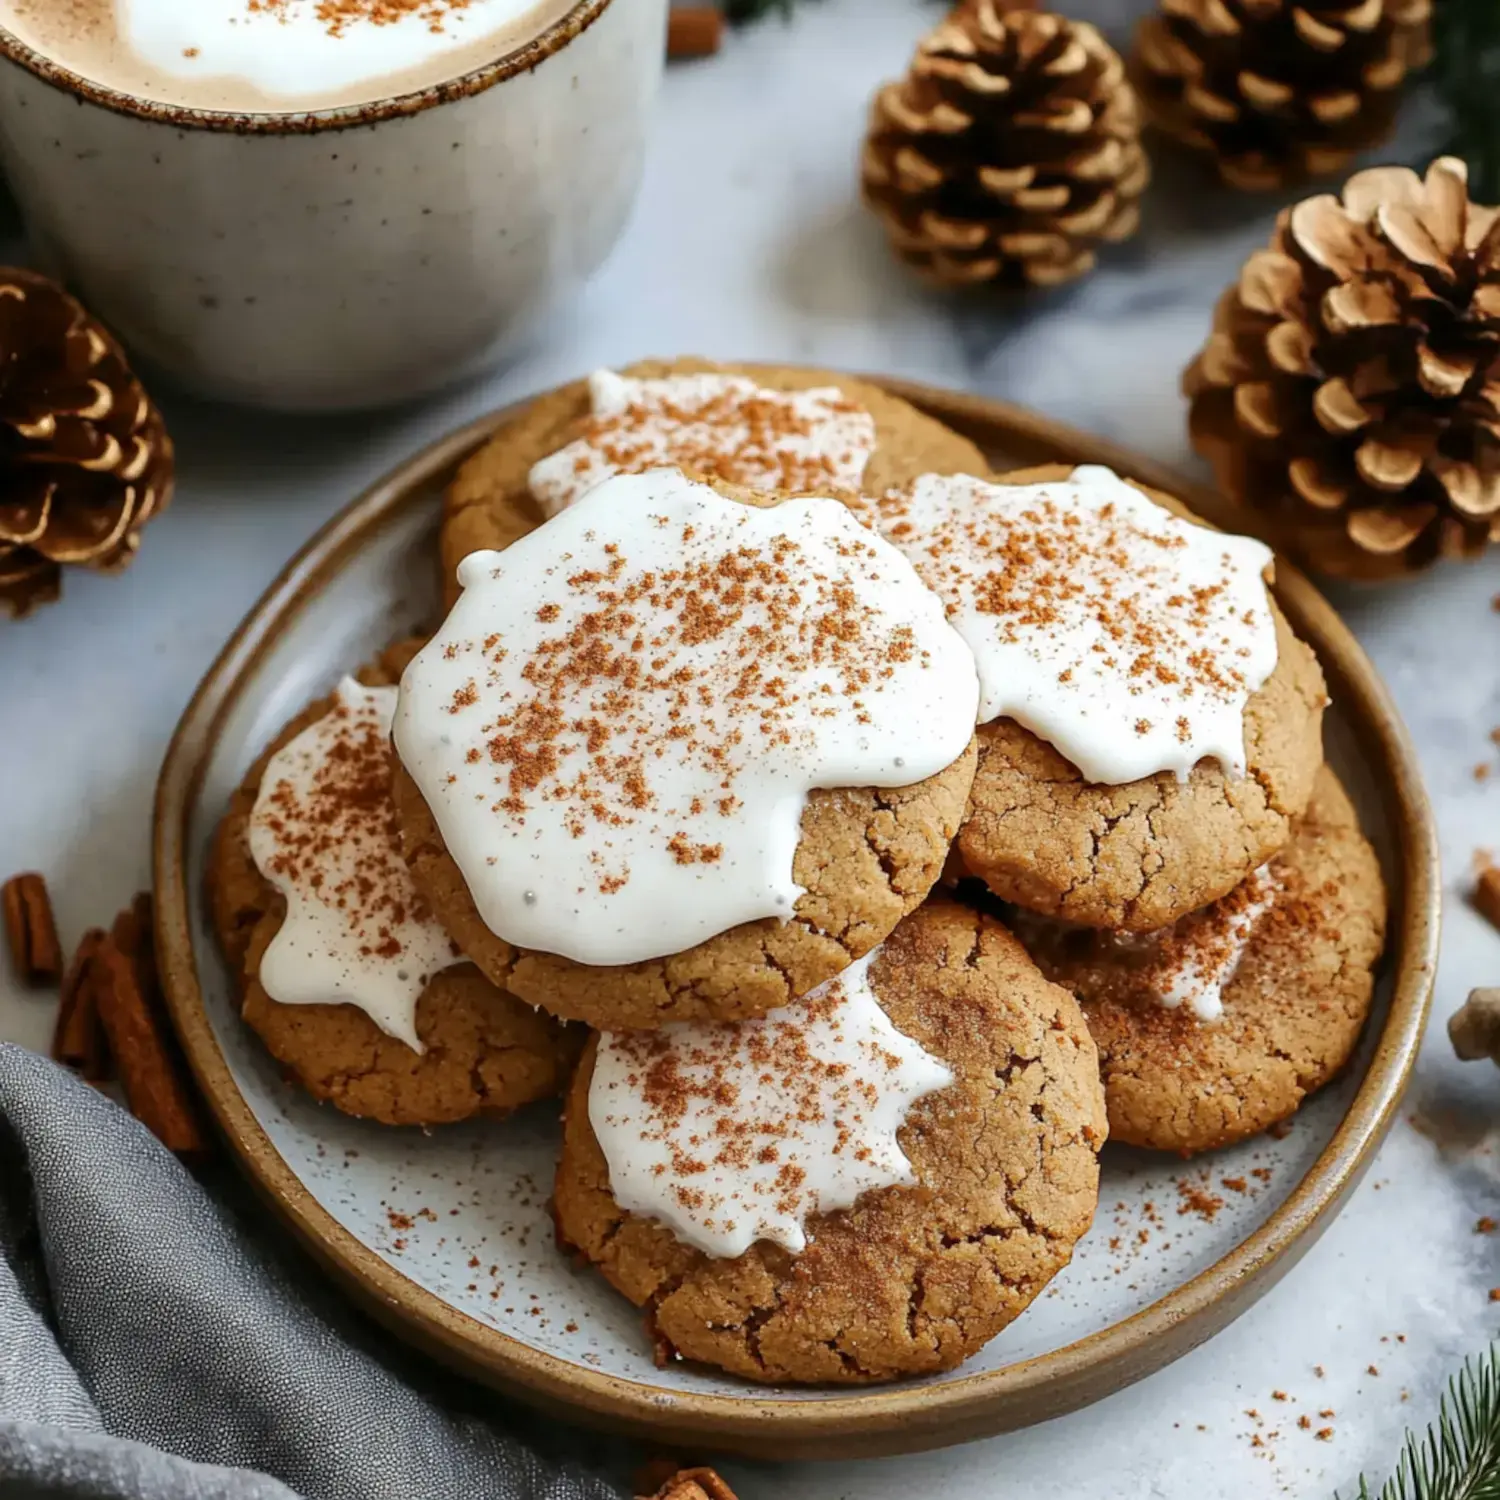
765 428
347 977
869 1184
1221 1025
1150 726
678 755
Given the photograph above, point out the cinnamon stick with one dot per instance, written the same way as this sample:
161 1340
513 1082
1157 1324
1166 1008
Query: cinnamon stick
78 1038
135 938
31 929
694 31
155 1084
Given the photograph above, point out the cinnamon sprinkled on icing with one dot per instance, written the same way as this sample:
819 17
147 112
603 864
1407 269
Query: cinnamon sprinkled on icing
723 427
734 1132
1186 966
323 832
1127 638
617 726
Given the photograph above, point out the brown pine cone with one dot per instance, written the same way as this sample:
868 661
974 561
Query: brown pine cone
694 1484
85 460
1350 391
1278 91
1009 152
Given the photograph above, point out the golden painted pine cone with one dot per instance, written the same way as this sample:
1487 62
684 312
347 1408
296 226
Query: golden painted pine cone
1278 91
85 460
1350 391
1009 152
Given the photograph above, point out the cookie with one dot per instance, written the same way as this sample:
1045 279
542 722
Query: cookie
486 1053
1140 855
489 503
865 856
910 1279
1292 1009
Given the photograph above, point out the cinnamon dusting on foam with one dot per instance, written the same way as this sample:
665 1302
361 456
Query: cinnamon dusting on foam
339 15
275 56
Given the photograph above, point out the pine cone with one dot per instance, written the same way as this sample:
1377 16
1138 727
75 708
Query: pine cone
1278 91
1350 390
85 461
1009 151
694 1484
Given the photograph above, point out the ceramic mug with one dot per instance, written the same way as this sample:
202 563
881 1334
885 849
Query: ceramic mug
348 257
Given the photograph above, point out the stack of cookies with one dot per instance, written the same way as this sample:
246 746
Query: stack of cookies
844 831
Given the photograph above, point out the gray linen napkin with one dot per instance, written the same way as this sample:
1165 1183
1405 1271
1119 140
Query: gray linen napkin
155 1346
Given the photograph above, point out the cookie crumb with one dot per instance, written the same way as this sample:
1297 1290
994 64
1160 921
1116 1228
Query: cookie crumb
1486 895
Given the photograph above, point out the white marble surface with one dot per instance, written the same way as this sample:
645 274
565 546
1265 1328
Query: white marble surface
748 241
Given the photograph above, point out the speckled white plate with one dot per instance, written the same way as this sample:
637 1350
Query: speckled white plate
446 1235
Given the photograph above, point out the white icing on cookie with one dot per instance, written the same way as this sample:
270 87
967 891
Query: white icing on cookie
1128 639
323 832
721 426
1196 959
1188 965
618 724
733 1132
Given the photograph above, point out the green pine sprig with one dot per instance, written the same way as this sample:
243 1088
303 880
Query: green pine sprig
1458 1458
738 11
1466 74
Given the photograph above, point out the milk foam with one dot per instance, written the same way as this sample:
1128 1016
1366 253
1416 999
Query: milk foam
274 55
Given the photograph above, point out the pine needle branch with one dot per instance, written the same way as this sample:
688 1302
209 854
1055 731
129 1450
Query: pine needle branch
1467 75
738 11
1458 1457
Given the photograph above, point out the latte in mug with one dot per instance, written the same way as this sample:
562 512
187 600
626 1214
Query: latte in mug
274 56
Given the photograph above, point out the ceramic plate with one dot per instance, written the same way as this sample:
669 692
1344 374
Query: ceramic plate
446 1236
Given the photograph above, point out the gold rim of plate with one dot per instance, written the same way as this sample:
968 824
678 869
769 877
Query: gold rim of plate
881 1420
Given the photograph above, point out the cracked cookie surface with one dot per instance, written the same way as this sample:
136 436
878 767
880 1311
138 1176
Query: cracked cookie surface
867 857
1293 1010
489 504
910 1280
487 1052
1141 855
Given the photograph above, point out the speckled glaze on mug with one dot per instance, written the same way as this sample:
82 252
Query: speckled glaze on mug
340 258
